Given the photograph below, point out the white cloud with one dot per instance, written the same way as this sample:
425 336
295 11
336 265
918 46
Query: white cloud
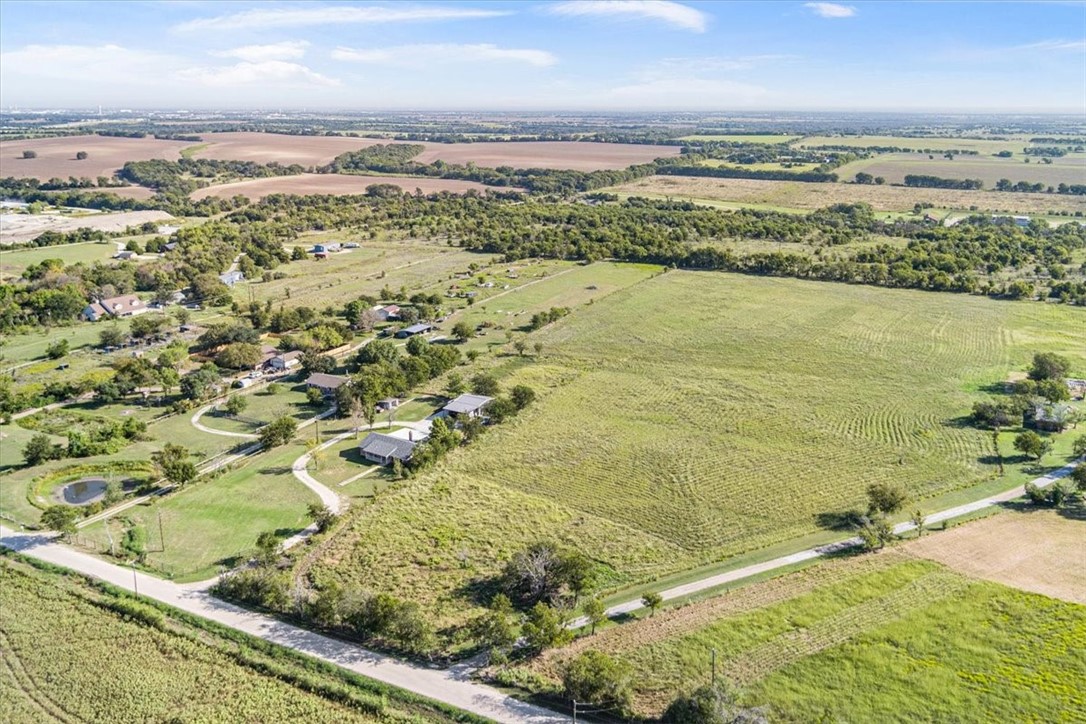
107 63
672 13
286 50
431 55
831 10
1055 46
332 15
277 72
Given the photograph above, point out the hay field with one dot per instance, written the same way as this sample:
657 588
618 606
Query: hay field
320 150
1035 550
695 416
105 155
798 195
878 638
277 147
579 156
1069 169
307 184
12 263
984 146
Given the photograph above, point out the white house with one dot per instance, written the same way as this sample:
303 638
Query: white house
392 311
285 361
231 278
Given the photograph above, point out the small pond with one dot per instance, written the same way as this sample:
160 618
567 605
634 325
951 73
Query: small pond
90 490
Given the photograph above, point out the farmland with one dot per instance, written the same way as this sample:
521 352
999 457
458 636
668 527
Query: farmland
1069 169
671 408
857 639
333 184
809 196
24 227
71 652
320 150
942 143
12 263
105 155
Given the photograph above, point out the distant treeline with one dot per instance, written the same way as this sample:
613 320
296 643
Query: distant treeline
935 182
763 174
895 149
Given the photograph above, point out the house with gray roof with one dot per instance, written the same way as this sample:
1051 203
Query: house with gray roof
420 328
328 384
383 449
468 405
1051 417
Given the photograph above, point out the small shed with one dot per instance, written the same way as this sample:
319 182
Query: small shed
468 405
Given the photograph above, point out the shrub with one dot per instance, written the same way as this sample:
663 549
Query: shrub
596 678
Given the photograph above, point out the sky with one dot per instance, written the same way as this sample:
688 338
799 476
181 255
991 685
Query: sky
608 55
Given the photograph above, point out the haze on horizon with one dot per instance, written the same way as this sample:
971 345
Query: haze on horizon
609 55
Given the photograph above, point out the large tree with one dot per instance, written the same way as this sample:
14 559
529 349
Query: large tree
1049 366
279 431
173 463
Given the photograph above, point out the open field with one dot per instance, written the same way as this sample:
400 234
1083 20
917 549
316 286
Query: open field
798 195
12 263
308 184
1035 550
982 145
15 228
576 155
215 522
740 138
105 156
71 652
277 147
1069 169
875 638
670 410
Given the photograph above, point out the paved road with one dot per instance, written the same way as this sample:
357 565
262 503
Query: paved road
451 686
739 574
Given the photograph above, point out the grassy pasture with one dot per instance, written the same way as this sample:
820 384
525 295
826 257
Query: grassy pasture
1070 169
67 656
740 138
801 197
693 417
216 521
12 263
878 638
984 146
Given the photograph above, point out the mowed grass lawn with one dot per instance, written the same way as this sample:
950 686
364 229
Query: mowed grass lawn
696 416
13 262
216 521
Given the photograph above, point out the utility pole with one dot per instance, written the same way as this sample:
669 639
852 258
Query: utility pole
713 658
161 537
135 586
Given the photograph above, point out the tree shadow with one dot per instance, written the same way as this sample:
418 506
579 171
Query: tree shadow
276 470
960 422
839 520
479 591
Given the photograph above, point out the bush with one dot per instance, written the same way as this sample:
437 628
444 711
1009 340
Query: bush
278 432
596 678
711 704
544 628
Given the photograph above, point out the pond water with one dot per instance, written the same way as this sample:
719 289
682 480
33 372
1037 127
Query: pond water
90 490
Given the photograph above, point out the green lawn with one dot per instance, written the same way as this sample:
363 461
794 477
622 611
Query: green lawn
216 521
13 262
262 408
697 416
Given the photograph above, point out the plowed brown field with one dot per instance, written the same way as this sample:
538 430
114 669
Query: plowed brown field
105 155
310 183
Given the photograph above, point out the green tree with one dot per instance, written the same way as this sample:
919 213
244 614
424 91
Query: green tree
1049 366
463 332
173 463
39 449
652 601
484 384
1078 477
917 519
111 336
279 431
594 611
314 396
713 703
267 548
57 349
520 346
497 628
544 628
875 532
81 156
1031 444
455 386
886 497
239 356
60 518
594 677
30 154
522 396
236 405
538 347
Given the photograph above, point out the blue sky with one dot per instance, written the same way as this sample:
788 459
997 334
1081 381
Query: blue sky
598 55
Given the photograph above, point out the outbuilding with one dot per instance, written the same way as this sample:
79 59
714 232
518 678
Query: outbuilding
468 405
420 328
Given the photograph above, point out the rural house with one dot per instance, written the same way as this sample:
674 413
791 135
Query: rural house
468 405
420 328
231 278
267 354
285 361
127 305
383 449
1052 417
326 383
386 313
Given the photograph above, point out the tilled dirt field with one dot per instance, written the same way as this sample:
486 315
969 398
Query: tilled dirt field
105 155
332 184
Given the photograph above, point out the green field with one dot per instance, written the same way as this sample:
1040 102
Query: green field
216 521
13 262
696 416
1070 169
983 146
67 655
740 138
894 639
